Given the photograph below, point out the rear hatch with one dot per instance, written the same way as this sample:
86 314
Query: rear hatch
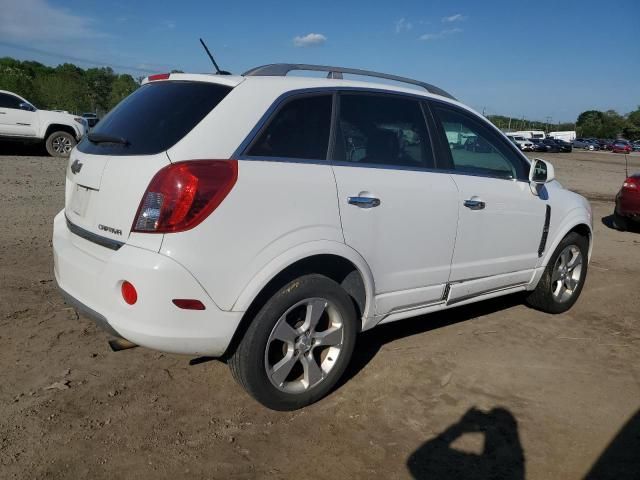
109 171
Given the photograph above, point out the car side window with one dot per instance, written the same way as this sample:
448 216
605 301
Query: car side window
9 101
475 149
300 129
382 129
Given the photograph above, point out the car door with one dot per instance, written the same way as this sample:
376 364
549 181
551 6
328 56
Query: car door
396 211
500 220
15 121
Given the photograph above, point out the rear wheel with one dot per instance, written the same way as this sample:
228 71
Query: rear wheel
60 144
563 279
298 345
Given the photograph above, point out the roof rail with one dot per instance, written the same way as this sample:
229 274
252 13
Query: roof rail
282 69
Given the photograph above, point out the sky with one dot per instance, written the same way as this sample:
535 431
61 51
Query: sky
522 59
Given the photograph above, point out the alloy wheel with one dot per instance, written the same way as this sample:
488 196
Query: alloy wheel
304 345
567 272
61 144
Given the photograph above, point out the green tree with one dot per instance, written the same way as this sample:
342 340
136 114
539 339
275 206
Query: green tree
634 117
122 86
99 84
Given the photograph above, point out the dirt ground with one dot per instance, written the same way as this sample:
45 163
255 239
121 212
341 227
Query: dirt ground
490 390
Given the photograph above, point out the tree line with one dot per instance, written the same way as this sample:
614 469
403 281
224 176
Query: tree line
66 87
591 123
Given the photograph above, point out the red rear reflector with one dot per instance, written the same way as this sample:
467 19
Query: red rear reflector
158 76
129 293
183 194
188 304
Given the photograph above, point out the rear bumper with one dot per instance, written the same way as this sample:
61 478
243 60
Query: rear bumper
90 277
628 204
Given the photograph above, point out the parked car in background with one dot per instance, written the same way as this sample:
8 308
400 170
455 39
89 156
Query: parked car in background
627 203
523 143
636 146
21 121
565 147
621 146
91 118
605 143
586 143
580 143
552 145
157 239
538 146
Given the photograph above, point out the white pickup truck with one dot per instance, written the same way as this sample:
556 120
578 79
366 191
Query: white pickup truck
21 121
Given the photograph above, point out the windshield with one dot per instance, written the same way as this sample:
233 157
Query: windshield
154 118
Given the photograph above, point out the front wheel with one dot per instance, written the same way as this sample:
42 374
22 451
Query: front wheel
60 144
298 345
563 279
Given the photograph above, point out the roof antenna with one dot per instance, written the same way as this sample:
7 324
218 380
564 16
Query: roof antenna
215 65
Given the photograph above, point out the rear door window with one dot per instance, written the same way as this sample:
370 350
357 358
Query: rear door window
155 117
381 129
300 129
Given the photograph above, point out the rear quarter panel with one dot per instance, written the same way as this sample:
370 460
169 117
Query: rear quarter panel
274 207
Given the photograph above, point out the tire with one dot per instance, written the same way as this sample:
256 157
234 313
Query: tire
543 297
60 144
619 222
276 336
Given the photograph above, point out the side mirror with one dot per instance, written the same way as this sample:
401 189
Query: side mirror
541 172
26 106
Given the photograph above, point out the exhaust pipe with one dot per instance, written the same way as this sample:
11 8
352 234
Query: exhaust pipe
120 343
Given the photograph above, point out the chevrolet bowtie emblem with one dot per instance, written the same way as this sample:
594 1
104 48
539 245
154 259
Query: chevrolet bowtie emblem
76 166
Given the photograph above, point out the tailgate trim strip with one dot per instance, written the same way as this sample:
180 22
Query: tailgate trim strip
92 237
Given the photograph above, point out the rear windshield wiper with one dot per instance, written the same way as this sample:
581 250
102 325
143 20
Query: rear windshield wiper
100 138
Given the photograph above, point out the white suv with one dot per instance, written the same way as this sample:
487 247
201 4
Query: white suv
267 220
21 121
524 144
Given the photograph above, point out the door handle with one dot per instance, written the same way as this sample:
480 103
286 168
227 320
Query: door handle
474 204
364 202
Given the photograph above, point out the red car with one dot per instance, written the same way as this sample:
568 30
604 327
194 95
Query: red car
621 147
627 203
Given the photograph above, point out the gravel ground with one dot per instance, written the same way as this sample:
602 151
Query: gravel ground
490 390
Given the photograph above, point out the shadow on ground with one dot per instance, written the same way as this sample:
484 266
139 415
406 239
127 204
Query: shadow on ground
500 456
19 149
370 342
632 227
621 459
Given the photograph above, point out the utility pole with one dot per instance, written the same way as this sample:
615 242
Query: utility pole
509 127
483 109
548 118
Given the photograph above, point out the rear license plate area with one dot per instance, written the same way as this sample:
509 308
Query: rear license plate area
80 200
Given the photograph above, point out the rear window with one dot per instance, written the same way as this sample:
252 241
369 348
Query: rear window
155 117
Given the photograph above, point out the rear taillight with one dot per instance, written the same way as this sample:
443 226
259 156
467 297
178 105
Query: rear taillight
630 183
183 194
